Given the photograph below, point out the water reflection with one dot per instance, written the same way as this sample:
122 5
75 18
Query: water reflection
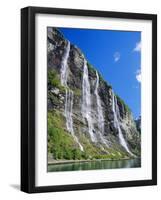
98 164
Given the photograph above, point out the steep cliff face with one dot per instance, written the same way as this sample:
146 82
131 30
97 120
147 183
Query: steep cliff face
138 124
85 118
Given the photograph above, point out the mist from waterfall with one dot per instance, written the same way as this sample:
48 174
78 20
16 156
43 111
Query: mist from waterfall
100 115
86 101
68 95
116 113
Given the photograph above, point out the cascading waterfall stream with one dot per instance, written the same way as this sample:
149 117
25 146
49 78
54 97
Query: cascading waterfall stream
68 110
86 101
64 66
68 95
100 112
117 125
68 114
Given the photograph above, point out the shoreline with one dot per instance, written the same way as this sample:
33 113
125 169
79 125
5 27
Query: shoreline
57 162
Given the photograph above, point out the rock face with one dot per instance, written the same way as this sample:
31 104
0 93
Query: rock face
86 119
138 124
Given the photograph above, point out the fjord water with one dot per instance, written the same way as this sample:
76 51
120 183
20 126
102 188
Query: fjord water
97 164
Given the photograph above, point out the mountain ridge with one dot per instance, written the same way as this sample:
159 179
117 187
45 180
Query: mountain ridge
120 138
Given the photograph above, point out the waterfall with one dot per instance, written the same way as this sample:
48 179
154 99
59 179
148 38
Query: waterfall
68 115
68 110
99 111
116 113
86 101
68 95
64 66
99 107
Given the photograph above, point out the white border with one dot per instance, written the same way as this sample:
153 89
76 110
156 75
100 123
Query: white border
94 176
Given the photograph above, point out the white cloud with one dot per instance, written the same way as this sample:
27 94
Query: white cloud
116 56
138 75
137 47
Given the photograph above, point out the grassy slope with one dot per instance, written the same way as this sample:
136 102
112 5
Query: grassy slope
61 144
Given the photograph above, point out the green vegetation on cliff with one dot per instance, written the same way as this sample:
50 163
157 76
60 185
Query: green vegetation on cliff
53 80
61 144
127 109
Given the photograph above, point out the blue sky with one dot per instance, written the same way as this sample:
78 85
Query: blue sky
117 56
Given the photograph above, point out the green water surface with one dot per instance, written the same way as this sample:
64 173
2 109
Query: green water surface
97 164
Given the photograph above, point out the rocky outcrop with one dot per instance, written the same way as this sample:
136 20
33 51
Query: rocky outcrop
138 124
104 127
